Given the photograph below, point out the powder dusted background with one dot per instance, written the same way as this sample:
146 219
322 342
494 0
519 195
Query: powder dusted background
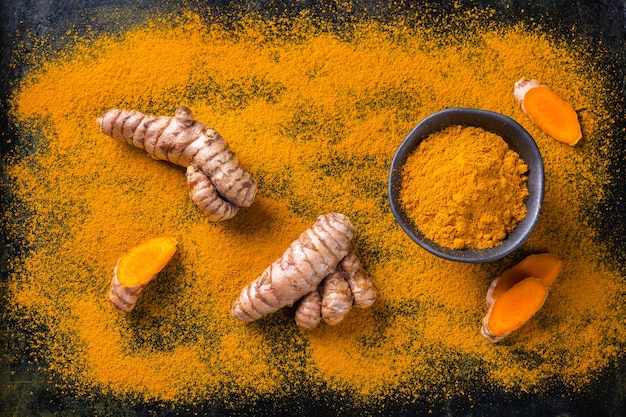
319 135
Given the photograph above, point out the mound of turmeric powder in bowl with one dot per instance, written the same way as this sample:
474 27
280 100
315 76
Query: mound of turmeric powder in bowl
464 188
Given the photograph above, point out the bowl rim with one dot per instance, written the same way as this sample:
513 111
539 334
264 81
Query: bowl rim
511 132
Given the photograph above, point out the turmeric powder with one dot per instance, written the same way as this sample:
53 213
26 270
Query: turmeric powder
464 188
318 135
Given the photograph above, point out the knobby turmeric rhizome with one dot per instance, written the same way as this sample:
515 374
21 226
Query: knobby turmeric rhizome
315 117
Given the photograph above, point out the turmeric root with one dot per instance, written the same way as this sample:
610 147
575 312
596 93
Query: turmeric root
336 298
545 266
362 287
309 311
187 142
307 261
134 270
547 110
513 308
203 193
332 300
518 293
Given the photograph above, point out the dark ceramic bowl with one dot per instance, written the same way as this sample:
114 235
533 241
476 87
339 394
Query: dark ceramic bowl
518 139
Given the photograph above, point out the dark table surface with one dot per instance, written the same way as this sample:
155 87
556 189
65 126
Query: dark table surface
603 22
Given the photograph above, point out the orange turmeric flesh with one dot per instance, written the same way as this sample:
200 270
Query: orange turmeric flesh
514 308
544 266
144 261
553 115
548 111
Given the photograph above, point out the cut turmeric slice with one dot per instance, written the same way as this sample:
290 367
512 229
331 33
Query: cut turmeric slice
545 266
548 111
136 268
513 308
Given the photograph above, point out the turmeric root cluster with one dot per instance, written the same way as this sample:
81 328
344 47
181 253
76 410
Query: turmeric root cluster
218 185
348 286
318 271
518 293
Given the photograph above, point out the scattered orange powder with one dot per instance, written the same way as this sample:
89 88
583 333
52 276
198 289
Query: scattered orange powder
316 119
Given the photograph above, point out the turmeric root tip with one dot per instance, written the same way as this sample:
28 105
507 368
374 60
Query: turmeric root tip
134 270
336 298
309 311
203 193
361 285
548 111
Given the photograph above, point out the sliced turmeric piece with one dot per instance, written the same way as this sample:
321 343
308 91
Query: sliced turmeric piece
513 308
134 270
545 266
548 111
